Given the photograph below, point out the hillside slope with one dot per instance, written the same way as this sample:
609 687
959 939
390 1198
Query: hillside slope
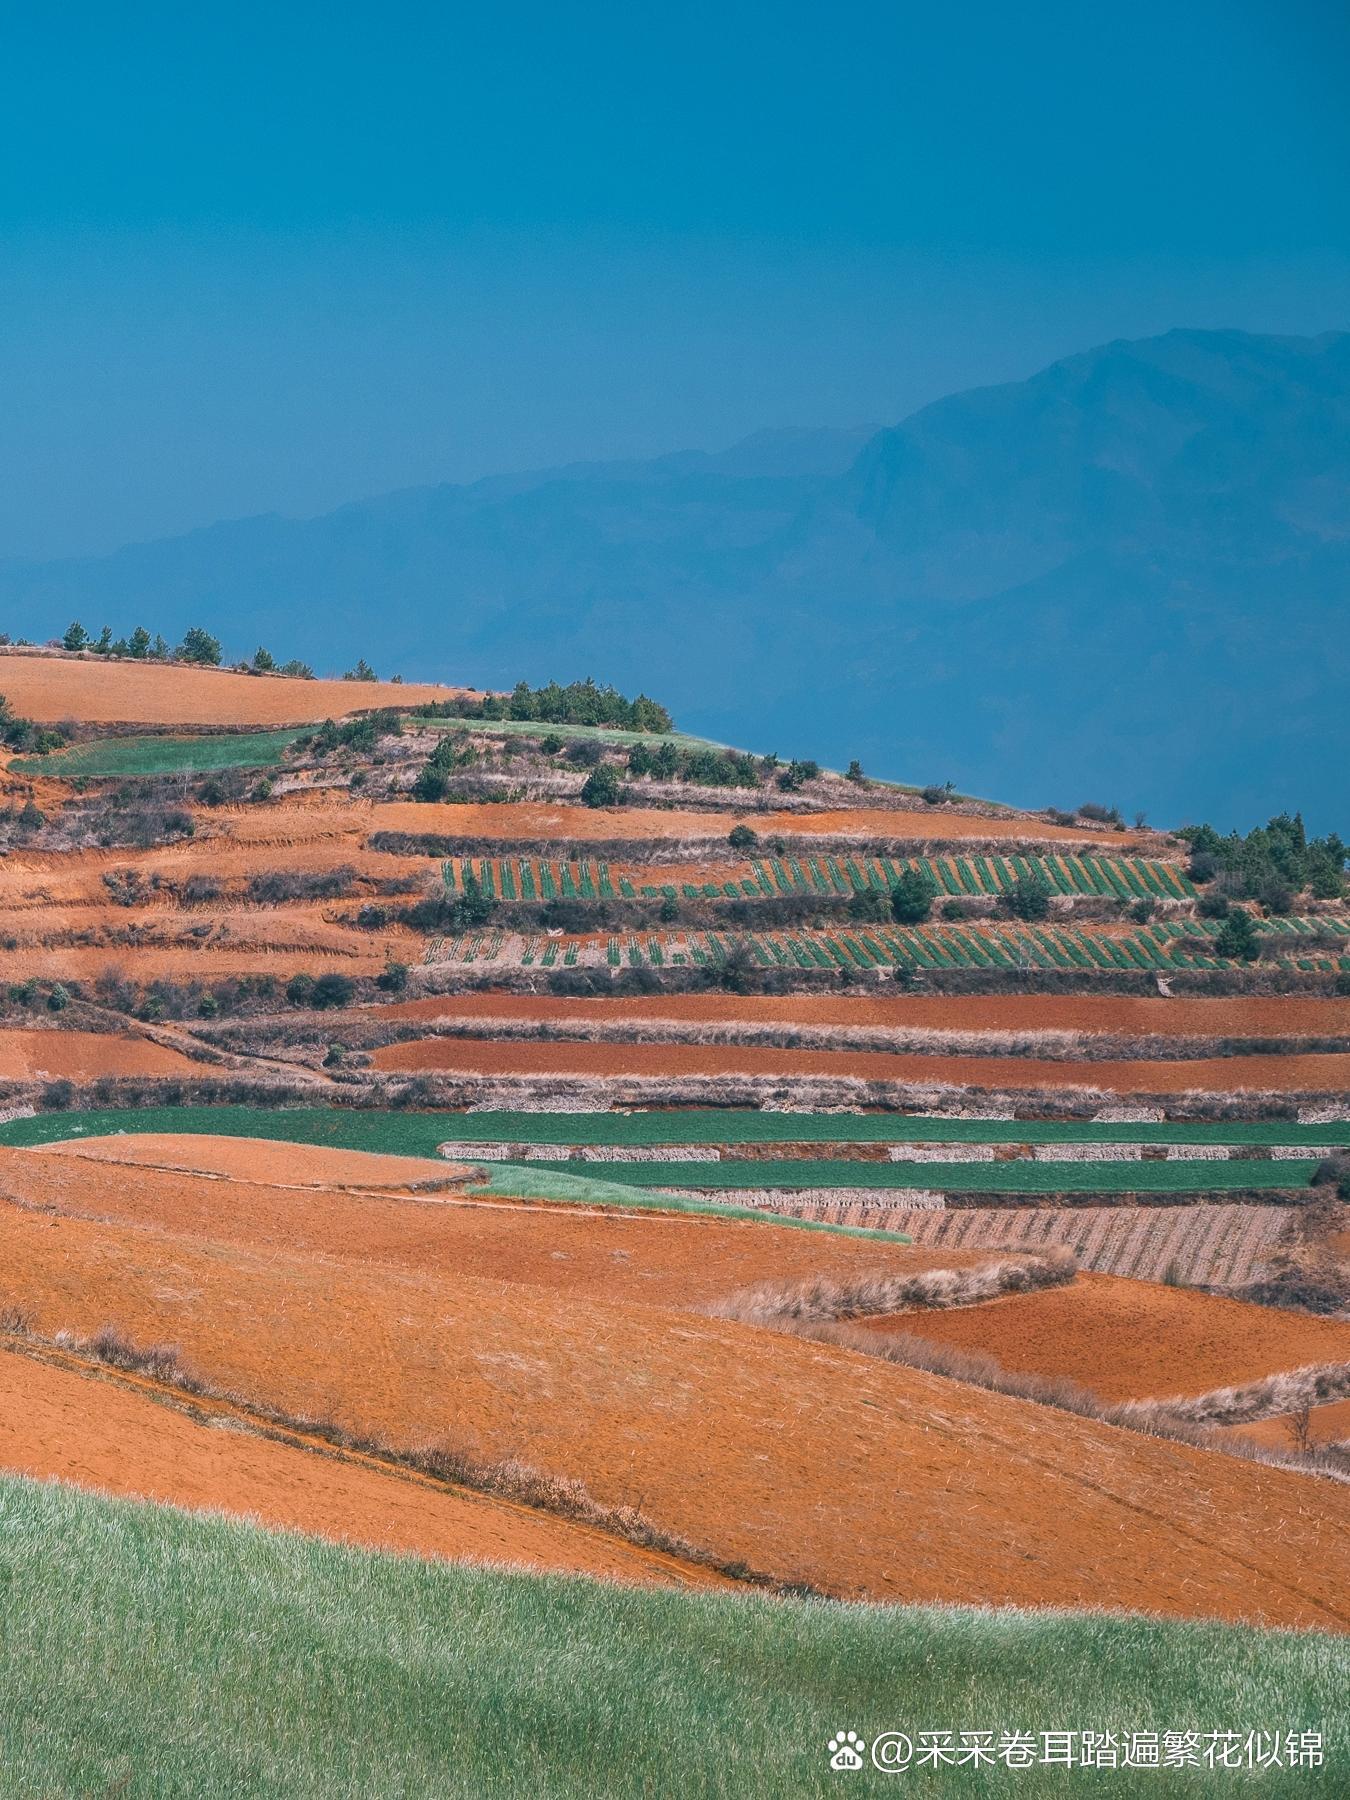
1170 518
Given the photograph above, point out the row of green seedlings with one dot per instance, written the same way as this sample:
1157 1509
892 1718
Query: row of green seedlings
1122 879
532 878
1154 948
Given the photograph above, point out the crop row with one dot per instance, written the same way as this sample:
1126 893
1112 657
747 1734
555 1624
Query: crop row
981 944
1223 1245
540 878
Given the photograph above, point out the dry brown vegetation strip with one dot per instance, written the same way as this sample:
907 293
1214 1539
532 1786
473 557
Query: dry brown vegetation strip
807 1461
1133 1340
98 692
1267 1074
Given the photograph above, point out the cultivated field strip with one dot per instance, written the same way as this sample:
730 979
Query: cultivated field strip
540 878
1221 1245
1025 1176
472 1136
1156 949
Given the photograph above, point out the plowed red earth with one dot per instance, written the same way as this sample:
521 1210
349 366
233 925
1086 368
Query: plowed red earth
670 1261
547 824
98 692
85 1055
57 1424
1267 1074
806 1461
1283 1016
1133 1340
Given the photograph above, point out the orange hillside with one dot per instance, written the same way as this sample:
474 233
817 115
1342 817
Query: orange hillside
99 692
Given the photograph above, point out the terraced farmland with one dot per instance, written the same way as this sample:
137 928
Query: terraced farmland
1158 948
1017 1176
416 1133
1218 1245
542 878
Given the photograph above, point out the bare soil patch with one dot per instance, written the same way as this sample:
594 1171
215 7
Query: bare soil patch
1133 1340
84 1056
1254 1016
265 1161
1329 1424
583 823
484 1056
97 691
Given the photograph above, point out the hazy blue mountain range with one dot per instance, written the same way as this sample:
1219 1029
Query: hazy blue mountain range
1125 579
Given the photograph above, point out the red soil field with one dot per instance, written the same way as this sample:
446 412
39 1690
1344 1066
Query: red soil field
1282 1016
267 1161
671 1260
60 1425
98 692
212 961
85 1055
583 823
808 1462
1269 1074
1133 1340
1329 1424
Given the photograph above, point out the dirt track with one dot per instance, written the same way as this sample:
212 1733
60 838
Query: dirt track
98 692
1244 1016
809 1462
58 1425
1272 1074
1133 1340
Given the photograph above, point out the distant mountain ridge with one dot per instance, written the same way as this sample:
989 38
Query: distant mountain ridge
1126 578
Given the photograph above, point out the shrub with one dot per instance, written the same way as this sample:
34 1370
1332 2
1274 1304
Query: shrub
58 1000
300 989
1028 897
938 793
393 979
869 906
1101 815
1213 904
1237 938
602 787
854 771
741 837
332 989
198 646
912 897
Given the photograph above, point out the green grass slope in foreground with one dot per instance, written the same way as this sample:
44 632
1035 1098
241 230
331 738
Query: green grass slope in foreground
163 755
147 1652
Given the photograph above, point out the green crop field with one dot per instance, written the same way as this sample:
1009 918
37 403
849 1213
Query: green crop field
407 1133
152 1653
1023 1176
163 755
1122 877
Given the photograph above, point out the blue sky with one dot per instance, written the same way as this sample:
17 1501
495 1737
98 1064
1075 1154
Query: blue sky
275 258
